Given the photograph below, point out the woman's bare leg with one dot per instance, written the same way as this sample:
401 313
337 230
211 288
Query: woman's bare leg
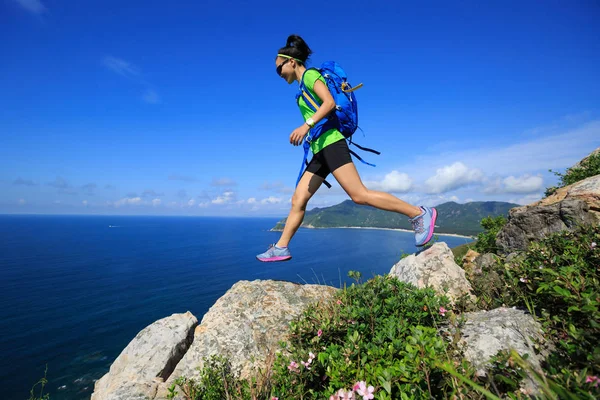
347 176
307 187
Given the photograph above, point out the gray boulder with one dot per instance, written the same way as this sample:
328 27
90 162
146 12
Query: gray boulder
587 190
246 324
485 262
485 333
148 359
434 267
534 222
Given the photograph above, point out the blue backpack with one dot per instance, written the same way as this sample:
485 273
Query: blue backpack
345 115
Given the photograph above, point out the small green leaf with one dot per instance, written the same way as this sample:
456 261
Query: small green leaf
562 291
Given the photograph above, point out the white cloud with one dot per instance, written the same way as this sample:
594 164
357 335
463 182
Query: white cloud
453 177
85 203
89 188
128 201
151 97
22 202
223 182
278 187
191 202
523 184
271 200
252 200
515 185
528 199
225 198
60 183
538 154
33 6
396 182
25 182
150 193
130 71
121 67
156 202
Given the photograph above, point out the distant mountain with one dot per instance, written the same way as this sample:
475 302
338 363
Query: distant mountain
460 219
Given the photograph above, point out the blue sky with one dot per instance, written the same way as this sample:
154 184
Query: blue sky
147 107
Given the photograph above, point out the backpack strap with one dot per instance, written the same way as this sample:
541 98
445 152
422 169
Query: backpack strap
309 99
347 89
363 148
360 159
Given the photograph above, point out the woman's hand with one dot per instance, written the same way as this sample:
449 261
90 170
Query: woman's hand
298 134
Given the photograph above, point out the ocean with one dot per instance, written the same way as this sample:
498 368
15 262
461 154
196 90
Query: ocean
74 290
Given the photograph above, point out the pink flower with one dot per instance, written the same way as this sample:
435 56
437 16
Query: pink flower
592 379
443 311
593 245
293 367
311 356
524 280
342 395
364 391
319 333
339 302
274 398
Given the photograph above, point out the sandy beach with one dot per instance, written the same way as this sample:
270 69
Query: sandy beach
387 229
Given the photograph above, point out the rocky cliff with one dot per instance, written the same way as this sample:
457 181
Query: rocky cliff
247 323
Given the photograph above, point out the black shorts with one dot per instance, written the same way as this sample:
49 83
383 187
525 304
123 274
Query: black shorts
330 158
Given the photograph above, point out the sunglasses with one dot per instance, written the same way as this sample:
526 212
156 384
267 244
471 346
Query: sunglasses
280 66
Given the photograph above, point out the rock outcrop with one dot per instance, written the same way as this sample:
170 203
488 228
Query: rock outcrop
148 359
485 333
244 325
531 223
587 190
434 267
247 323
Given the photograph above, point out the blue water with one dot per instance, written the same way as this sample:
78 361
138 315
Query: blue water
74 290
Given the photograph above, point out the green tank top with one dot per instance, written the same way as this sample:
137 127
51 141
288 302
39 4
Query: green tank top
328 137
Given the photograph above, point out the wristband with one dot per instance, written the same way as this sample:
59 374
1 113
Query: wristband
310 122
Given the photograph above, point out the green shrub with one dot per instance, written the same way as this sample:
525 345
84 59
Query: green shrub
382 333
506 375
486 241
589 167
558 280
216 382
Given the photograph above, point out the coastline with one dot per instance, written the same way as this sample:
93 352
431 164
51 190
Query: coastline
386 229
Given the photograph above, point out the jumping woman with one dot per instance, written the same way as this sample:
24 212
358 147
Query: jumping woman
330 155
